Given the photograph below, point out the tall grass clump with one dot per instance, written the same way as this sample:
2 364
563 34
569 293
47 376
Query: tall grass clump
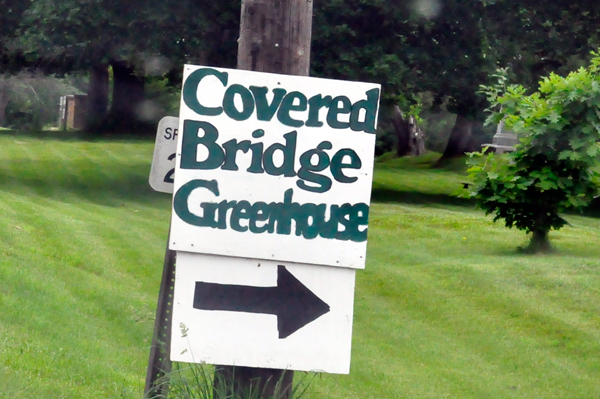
202 381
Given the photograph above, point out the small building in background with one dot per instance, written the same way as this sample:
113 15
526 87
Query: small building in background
72 112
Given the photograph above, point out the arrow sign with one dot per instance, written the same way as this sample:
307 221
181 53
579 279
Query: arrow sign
294 305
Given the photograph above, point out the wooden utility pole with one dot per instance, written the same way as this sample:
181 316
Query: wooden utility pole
274 37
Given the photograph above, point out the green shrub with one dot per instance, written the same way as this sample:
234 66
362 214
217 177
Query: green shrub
555 165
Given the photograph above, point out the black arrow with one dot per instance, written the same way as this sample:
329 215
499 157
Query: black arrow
294 305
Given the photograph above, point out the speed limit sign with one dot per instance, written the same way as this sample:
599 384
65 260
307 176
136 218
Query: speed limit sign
163 161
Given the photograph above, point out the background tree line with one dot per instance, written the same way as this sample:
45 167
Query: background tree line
431 56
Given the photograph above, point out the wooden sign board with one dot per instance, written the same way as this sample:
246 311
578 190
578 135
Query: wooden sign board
274 167
257 313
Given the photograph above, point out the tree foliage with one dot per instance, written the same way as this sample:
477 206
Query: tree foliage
137 39
362 40
535 38
75 34
555 165
445 48
10 18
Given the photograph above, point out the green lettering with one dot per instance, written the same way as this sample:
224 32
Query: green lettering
337 164
343 216
289 153
209 212
256 163
370 107
340 105
288 105
257 152
309 212
191 141
247 103
181 206
258 213
314 106
329 228
231 148
307 169
240 212
190 90
224 206
280 213
275 215
358 217
264 110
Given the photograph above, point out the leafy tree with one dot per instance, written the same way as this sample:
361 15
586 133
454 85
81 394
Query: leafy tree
362 40
410 51
535 38
81 35
133 38
464 44
451 56
555 166
10 61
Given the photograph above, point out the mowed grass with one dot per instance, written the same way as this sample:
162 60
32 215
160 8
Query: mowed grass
82 238
446 308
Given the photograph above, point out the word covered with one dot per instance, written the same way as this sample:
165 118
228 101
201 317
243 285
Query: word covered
280 165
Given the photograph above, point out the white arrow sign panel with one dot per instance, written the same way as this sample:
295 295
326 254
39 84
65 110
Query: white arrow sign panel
257 313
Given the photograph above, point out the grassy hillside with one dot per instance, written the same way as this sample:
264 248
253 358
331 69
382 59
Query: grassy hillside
446 308
82 238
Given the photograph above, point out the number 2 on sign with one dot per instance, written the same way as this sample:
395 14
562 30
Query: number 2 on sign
169 176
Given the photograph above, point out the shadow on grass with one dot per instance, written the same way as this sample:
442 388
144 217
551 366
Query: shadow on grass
77 135
110 186
387 195
430 160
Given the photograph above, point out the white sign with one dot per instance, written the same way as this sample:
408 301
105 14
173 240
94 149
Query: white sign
257 313
274 167
163 161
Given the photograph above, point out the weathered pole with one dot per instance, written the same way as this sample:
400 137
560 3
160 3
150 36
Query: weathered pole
274 37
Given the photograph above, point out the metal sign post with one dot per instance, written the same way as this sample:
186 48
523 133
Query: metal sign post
161 179
159 364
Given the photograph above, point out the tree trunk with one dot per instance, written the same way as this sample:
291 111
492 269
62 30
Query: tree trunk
274 37
128 94
97 100
460 138
540 242
410 140
4 87
402 133
417 139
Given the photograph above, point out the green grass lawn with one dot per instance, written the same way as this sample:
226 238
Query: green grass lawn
446 308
